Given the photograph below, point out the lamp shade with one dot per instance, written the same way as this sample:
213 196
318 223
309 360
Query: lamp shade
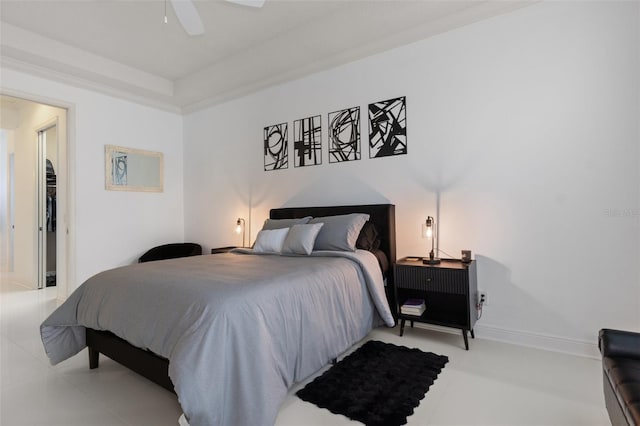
429 228
240 229
430 233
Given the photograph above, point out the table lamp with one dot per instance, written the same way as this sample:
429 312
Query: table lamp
240 228
430 233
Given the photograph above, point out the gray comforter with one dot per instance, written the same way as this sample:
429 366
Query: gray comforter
238 329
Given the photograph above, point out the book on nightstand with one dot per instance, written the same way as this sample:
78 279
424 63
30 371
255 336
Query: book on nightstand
413 307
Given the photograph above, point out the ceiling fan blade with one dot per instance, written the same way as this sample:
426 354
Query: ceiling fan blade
251 3
188 16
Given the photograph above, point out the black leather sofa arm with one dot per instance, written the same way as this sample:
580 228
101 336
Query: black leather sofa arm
618 343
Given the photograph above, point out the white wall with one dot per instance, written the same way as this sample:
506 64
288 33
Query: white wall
523 141
111 228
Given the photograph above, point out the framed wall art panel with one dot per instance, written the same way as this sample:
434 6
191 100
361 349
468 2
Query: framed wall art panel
276 141
307 141
388 128
344 135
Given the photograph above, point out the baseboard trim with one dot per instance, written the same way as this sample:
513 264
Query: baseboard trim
524 338
539 341
23 282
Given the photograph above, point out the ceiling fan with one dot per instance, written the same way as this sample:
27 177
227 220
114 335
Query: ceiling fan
190 18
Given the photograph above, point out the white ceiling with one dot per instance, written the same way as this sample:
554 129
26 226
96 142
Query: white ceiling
125 48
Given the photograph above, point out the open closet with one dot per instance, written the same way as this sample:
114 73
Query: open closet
51 223
47 205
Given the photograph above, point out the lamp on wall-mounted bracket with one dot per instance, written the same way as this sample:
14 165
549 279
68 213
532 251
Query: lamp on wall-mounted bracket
430 232
240 228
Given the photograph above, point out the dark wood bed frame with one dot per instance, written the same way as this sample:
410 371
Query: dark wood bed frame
156 368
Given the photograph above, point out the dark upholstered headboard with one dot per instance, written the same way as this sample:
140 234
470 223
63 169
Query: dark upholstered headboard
382 215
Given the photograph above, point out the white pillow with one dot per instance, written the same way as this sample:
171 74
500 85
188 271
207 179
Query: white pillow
270 240
301 238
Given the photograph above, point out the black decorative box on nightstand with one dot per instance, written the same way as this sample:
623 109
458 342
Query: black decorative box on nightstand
449 289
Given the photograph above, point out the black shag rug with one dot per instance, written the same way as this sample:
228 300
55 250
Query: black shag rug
379 384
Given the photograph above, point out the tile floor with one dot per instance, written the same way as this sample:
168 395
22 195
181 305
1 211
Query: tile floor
492 384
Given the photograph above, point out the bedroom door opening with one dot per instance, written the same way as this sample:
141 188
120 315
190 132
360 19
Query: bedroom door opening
34 229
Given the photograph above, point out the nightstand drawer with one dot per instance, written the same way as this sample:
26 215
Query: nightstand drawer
450 281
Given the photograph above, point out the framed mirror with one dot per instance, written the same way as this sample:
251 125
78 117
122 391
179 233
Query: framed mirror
128 169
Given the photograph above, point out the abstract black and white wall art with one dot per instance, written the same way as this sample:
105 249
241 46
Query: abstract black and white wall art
344 135
388 128
307 141
276 141
119 168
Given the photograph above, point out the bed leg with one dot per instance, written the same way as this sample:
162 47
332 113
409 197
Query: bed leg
94 356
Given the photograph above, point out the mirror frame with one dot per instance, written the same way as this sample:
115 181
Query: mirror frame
110 186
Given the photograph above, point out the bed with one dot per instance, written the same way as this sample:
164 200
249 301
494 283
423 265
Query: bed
230 333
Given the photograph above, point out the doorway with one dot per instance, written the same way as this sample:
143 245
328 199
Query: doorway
34 181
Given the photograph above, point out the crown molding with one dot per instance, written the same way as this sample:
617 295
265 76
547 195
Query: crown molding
228 79
109 89
31 53
229 83
26 45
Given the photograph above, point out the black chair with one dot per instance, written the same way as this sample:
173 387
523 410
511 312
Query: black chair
621 373
171 251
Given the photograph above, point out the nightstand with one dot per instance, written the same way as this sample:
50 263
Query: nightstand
218 250
449 289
